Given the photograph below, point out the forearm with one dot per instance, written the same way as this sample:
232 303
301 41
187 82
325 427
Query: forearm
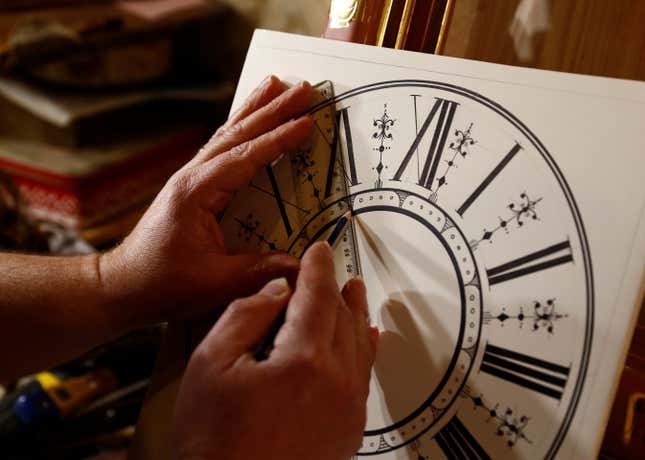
52 309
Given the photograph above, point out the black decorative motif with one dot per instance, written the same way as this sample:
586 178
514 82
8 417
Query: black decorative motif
383 445
460 149
519 212
250 230
382 135
543 316
510 425
304 169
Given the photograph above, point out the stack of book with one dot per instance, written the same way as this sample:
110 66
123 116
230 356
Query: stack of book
100 102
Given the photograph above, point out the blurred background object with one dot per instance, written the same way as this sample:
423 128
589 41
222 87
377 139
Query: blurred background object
101 101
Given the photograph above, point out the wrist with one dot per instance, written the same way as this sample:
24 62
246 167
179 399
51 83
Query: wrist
114 293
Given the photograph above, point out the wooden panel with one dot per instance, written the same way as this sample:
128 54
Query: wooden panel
596 37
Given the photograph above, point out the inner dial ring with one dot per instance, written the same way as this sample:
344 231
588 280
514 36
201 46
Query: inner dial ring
429 412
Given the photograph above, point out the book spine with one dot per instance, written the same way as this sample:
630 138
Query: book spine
78 202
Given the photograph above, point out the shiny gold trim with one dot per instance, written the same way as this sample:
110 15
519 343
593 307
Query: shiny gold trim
343 12
445 26
426 29
406 21
382 27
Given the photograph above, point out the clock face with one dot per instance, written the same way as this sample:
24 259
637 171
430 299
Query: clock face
474 256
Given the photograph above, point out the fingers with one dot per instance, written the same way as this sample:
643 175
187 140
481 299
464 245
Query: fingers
355 297
313 307
268 90
235 168
245 323
279 110
247 273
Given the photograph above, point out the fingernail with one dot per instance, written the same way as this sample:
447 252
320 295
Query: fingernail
305 84
275 288
266 81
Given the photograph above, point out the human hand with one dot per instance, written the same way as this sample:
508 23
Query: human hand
174 263
307 400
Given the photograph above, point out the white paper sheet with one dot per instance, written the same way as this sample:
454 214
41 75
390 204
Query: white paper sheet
507 292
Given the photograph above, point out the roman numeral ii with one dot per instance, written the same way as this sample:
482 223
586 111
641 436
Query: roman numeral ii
543 259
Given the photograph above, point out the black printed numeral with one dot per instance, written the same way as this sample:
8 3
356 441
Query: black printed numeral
543 259
494 173
342 126
278 198
456 442
529 372
446 112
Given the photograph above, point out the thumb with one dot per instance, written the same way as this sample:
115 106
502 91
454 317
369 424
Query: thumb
246 322
245 274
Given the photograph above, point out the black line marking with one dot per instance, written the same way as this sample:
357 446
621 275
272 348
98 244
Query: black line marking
495 363
436 150
343 115
527 359
439 137
478 191
505 272
293 205
278 199
332 165
457 442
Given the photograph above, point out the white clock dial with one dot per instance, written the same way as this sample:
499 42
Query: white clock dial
473 253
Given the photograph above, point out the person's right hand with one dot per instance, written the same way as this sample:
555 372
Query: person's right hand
307 400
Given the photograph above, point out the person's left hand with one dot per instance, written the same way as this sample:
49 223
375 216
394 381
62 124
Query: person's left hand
174 264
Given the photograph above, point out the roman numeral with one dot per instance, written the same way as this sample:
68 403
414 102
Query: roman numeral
456 442
342 121
279 201
543 259
446 110
329 182
529 372
478 191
